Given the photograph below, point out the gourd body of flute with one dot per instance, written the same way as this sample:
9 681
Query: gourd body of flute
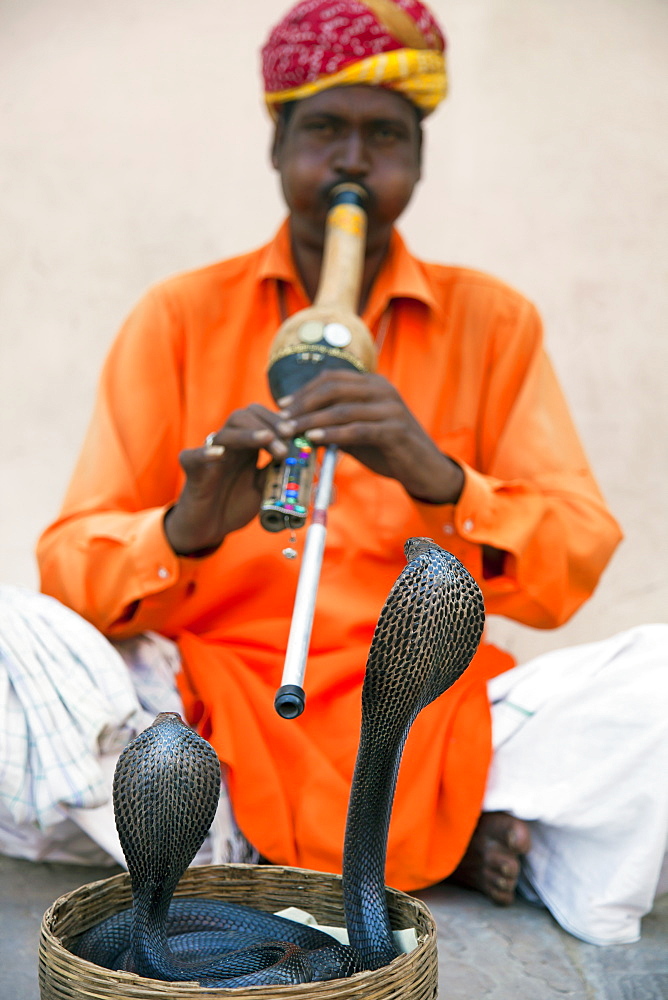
327 335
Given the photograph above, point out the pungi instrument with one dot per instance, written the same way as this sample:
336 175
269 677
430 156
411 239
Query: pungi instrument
327 335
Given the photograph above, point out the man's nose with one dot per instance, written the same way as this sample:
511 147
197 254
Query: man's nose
351 156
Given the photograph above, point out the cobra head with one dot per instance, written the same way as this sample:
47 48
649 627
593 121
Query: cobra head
166 788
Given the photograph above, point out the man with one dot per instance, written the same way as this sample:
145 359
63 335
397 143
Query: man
462 435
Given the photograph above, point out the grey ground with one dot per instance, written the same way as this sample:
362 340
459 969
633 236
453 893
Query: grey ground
485 953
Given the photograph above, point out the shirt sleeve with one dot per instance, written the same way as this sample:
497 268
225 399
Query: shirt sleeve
531 523
107 555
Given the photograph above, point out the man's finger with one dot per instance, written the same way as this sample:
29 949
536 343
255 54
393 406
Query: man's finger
212 449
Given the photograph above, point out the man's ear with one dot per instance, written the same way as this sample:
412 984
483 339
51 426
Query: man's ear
277 143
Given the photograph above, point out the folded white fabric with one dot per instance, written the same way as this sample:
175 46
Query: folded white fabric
581 750
69 702
406 940
65 697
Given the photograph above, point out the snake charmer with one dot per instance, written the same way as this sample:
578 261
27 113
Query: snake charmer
462 434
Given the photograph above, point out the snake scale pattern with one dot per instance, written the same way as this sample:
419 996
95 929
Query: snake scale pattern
166 792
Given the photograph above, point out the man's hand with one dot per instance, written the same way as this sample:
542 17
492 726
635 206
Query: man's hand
223 488
365 416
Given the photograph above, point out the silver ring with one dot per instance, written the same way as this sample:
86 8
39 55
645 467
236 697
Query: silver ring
208 440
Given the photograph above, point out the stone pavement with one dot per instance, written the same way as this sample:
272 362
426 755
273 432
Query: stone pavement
485 953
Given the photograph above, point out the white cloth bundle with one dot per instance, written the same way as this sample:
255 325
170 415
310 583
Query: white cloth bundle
581 750
65 698
69 702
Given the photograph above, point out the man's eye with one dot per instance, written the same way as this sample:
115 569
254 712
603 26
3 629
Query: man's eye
387 133
319 128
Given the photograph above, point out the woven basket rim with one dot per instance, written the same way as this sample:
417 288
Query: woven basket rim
60 968
122 879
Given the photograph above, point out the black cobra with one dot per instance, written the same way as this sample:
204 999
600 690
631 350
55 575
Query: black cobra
166 791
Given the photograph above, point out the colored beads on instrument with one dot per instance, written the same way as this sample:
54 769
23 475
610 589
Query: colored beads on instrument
288 489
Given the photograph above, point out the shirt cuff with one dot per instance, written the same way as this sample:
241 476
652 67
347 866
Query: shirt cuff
158 565
148 569
466 527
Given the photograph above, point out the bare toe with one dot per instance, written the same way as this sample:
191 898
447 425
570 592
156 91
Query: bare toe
492 860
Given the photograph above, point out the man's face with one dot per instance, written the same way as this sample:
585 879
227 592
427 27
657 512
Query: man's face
363 134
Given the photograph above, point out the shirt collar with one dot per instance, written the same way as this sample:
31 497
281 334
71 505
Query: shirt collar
276 259
401 276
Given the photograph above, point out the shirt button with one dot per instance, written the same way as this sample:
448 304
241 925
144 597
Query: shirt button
468 524
163 572
448 529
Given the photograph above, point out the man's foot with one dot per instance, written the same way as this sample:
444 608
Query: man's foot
492 860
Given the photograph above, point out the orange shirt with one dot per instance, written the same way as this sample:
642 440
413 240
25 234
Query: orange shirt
465 351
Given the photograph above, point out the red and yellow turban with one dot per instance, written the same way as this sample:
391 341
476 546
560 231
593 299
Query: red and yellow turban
332 43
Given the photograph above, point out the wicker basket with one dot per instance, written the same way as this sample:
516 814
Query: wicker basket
64 976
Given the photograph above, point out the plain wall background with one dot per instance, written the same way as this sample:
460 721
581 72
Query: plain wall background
135 145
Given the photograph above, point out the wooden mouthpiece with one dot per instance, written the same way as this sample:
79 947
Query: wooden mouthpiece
329 334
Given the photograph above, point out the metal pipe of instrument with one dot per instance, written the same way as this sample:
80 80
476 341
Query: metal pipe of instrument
290 697
327 335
